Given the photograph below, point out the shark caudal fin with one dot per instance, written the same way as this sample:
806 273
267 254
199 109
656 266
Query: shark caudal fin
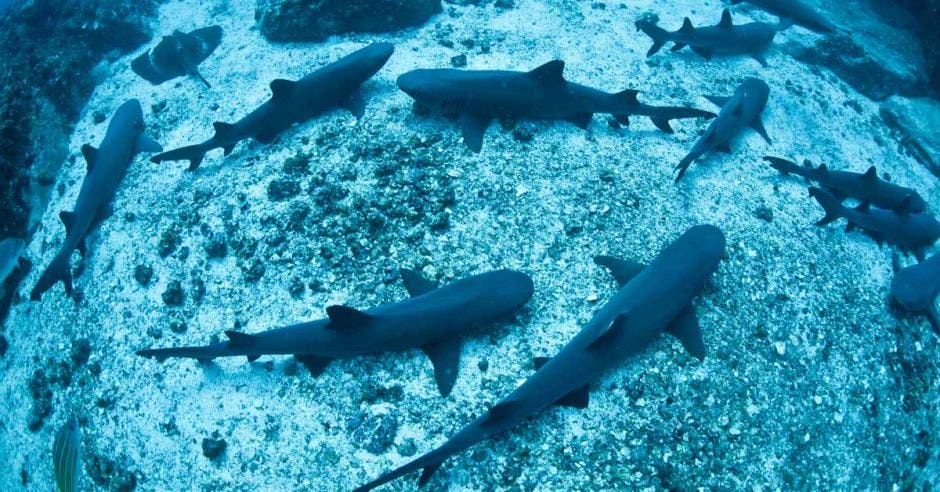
788 167
829 203
428 464
662 116
192 153
238 344
683 166
59 269
659 35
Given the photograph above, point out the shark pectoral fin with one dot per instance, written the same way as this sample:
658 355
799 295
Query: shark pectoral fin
473 126
686 328
549 73
90 154
703 52
677 47
718 100
345 318
445 357
356 104
919 253
580 120
147 144
500 411
622 270
316 365
725 147
608 334
426 474
281 90
415 283
662 123
760 59
726 22
578 398
758 126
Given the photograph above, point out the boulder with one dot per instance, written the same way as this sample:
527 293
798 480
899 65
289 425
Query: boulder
306 20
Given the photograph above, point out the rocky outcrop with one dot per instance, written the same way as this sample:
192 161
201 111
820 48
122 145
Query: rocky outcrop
303 20
916 122
51 51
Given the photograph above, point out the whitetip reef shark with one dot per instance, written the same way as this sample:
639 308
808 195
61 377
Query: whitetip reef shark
336 85
107 166
651 300
480 96
792 12
434 319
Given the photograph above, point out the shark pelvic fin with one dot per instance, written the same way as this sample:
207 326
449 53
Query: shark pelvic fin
760 58
500 411
473 126
663 124
345 318
147 144
356 104
612 330
549 73
90 154
622 270
686 328
252 358
281 89
726 22
415 283
445 357
316 365
426 474
725 148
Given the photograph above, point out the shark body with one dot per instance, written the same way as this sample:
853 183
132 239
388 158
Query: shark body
651 300
177 55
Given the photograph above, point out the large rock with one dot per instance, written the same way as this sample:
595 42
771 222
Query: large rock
917 121
305 20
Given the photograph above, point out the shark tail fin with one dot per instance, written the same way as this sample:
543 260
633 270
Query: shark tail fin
428 464
659 36
829 203
683 166
59 269
661 116
162 354
192 153
787 167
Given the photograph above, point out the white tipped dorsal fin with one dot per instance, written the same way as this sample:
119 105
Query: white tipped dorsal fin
345 318
415 283
726 22
550 73
686 328
281 88
90 154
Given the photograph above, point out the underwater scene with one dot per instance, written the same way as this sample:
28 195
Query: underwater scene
475 245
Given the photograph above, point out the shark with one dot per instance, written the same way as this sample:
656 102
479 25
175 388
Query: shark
910 232
865 186
434 319
752 39
740 111
337 85
915 288
106 167
11 249
652 299
792 12
177 55
480 96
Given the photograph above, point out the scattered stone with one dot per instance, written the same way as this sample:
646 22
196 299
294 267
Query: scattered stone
299 20
169 241
458 61
281 189
214 447
216 246
143 274
173 295
374 433
81 351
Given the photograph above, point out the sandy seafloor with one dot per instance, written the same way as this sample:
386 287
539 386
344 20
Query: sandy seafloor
809 383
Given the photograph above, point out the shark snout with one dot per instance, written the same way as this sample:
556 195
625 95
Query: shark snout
411 82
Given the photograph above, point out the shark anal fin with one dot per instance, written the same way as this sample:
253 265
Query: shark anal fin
90 154
426 474
415 283
718 100
758 126
147 144
726 22
578 398
345 318
622 270
445 357
686 328
281 90
549 73
316 365
355 104
850 226
500 411
580 120
611 332
252 358
237 339
66 217
540 361
473 126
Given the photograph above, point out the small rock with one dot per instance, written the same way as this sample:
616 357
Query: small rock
81 351
143 274
458 61
173 295
213 448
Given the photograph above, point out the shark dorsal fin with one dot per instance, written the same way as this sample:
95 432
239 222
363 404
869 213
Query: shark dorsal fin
66 217
224 131
871 174
610 332
686 328
622 270
540 361
415 283
316 365
906 203
500 411
345 318
90 154
726 22
281 89
629 96
687 26
865 206
238 339
549 73
445 357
